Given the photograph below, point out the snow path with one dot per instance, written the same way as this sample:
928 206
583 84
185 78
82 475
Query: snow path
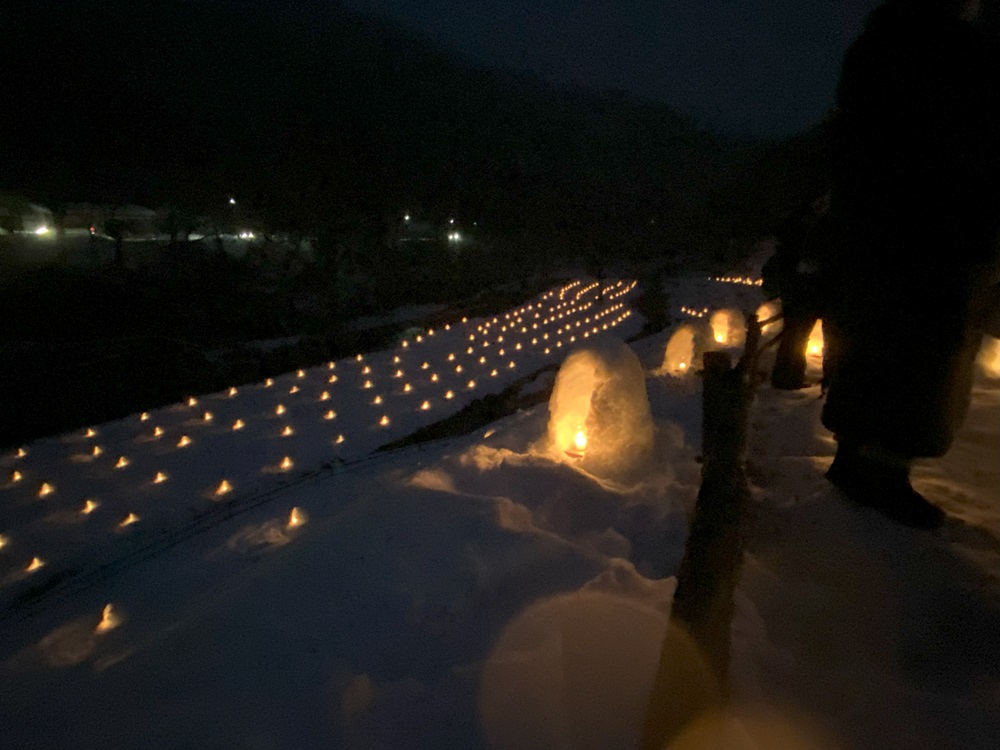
887 634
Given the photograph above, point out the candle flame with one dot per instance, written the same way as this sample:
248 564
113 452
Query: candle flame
224 488
122 462
288 431
425 405
580 440
184 441
340 439
192 401
232 392
300 374
330 415
333 379
296 518
144 416
130 519
384 421
280 409
238 424
46 489
15 476
35 564
160 478
90 432
269 382
294 389
157 431
324 396
89 506
109 620
286 463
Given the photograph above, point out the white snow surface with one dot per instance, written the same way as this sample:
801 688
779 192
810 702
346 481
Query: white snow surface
474 592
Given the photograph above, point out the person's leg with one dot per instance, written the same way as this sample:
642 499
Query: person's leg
878 478
789 371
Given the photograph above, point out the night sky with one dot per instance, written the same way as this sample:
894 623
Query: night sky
746 67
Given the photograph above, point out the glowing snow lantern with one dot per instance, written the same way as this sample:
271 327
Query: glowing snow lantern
449 395
599 412
815 346
728 328
384 421
232 392
89 506
366 370
269 382
89 433
279 409
109 620
286 463
122 462
434 377
359 357
330 415
16 476
767 311
296 518
407 388
471 384
293 390
989 357
130 519
46 489
238 424
35 564
685 348
144 416
324 396
425 406
333 379
300 374
288 431
160 478
192 401
184 441
339 440
224 488
368 384
157 432
208 416
377 400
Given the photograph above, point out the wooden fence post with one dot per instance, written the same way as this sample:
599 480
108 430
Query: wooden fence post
692 675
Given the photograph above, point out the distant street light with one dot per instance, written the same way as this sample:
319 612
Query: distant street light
232 201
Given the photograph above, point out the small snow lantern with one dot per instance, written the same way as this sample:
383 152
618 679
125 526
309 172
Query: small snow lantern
767 311
729 329
815 346
599 412
686 348
989 357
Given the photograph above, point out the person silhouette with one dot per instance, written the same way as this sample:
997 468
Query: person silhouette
916 211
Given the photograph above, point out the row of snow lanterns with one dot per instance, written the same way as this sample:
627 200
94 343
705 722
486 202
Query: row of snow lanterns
739 280
225 487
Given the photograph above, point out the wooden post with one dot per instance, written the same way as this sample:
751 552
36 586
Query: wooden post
692 676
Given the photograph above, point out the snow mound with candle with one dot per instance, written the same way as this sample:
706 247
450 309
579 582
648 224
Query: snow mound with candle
686 349
599 414
729 328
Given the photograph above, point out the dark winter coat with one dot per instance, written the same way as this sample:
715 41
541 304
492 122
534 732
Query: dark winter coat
916 204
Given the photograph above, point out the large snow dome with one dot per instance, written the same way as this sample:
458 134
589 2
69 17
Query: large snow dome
599 411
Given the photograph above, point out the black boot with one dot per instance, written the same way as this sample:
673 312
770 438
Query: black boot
884 487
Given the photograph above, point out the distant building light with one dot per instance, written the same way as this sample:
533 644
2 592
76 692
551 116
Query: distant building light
451 221
232 201
42 230
406 217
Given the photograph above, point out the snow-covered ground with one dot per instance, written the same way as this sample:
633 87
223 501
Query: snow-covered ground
477 591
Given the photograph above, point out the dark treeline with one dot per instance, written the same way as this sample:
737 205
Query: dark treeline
319 119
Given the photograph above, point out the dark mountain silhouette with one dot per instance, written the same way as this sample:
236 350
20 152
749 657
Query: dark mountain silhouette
312 114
